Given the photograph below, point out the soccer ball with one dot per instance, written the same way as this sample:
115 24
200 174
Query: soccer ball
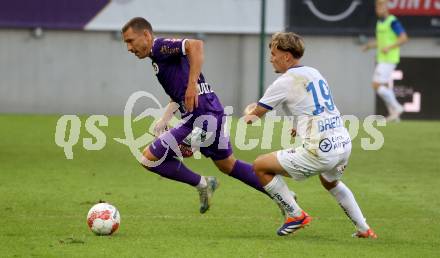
103 219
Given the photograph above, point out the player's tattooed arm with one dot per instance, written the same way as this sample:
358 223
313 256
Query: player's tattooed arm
195 54
253 112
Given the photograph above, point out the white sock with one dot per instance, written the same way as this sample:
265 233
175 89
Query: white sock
394 103
202 183
347 202
388 97
384 93
280 193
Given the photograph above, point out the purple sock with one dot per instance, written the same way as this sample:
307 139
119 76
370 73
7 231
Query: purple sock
175 170
243 172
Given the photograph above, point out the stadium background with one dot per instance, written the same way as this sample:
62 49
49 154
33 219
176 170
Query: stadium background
67 56
76 64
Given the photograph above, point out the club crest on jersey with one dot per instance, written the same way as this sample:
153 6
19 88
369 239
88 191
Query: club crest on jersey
155 68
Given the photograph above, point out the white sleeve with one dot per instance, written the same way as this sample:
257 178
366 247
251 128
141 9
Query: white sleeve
275 94
183 47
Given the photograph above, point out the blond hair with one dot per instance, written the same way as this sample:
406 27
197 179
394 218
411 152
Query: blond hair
288 41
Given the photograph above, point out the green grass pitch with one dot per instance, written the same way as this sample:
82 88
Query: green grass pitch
44 199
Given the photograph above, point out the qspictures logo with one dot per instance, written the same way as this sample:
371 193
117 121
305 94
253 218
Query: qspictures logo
309 130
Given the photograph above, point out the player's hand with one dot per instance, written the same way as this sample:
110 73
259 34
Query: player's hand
160 127
386 50
249 108
293 132
365 48
191 98
368 46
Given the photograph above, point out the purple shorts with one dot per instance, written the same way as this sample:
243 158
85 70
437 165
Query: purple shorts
216 146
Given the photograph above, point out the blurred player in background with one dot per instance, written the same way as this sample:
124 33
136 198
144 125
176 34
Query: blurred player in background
326 148
390 35
177 64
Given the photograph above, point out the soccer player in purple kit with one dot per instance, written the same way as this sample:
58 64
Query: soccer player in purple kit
177 64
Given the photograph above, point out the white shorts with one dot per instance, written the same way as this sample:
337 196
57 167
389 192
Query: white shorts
382 73
300 164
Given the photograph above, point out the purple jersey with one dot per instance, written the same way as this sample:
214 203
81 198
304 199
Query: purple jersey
172 70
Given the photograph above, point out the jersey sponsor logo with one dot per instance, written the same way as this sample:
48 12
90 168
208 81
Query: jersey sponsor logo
166 50
414 8
204 88
172 40
334 143
329 123
339 142
325 145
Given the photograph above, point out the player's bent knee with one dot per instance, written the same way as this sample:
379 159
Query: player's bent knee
375 85
226 165
261 171
260 174
147 157
256 167
259 166
224 168
328 185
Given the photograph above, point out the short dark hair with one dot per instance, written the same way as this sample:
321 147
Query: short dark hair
138 24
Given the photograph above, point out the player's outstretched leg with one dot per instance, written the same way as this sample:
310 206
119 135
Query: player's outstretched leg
244 172
296 218
174 169
239 170
346 200
267 169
